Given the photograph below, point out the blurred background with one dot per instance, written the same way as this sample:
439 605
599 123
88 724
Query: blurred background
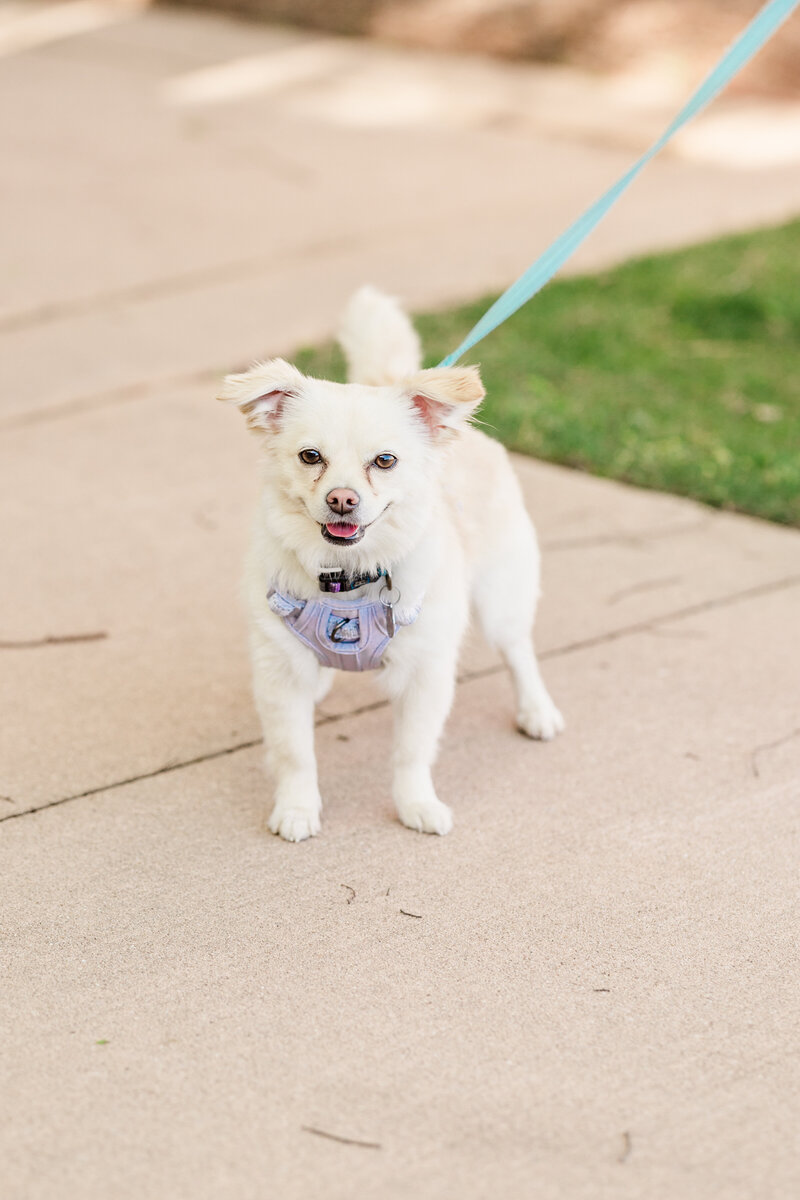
187 188
292 104
599 35
432 145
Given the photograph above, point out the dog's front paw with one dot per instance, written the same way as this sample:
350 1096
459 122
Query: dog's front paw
418 807
294 824
541 720
431 816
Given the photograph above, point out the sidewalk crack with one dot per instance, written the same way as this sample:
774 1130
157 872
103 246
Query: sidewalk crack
766 746
634 537
109 398
178 284
646 585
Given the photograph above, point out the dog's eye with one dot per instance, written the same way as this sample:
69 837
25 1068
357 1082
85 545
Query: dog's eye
310 457
385 461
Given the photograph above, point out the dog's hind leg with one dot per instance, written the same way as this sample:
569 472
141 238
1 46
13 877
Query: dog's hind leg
505 591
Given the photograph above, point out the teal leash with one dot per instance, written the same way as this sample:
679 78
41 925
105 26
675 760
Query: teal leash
749 42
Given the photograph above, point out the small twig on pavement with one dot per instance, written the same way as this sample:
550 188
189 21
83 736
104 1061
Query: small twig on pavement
334 1137
352 892
418 916
53 640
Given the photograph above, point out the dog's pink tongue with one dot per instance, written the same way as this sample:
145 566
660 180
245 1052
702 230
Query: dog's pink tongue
341 530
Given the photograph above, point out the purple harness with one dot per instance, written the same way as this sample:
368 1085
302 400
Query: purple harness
350 635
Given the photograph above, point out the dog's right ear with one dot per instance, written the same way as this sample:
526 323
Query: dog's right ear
262 392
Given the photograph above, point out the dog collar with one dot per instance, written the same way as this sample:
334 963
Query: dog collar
337 581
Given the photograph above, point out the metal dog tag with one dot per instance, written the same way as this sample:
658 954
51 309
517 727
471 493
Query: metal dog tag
390 626
388 605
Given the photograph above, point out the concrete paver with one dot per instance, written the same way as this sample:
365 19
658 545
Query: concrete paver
596 998
597 995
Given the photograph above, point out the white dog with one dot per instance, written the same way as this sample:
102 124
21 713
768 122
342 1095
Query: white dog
383 516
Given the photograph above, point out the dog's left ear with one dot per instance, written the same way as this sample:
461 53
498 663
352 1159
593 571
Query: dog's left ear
445 397
262 392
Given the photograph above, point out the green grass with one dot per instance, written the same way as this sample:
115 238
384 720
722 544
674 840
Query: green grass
678 371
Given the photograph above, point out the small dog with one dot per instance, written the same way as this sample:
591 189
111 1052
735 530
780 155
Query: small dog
383 517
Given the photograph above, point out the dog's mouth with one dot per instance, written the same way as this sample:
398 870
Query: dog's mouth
343 533
347 533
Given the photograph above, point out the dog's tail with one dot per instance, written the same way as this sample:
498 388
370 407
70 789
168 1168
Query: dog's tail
379 341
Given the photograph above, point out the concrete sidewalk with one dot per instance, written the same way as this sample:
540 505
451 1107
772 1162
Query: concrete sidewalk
595 994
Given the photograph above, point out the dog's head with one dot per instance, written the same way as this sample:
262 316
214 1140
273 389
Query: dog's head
350 468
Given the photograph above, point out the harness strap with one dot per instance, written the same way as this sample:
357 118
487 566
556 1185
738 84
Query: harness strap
350 635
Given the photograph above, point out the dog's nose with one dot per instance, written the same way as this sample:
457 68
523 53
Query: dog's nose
342 500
